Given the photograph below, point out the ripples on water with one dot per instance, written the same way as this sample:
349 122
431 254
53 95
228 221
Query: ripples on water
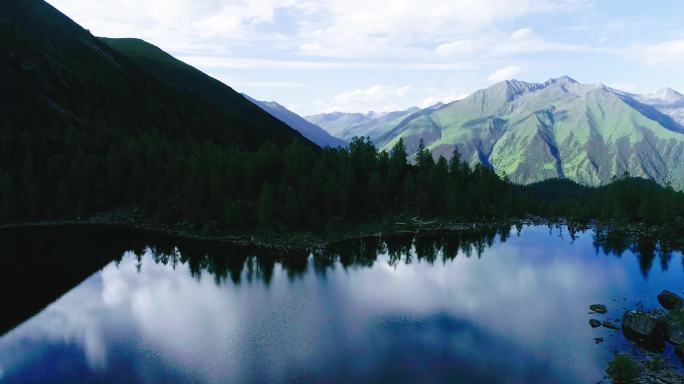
507 305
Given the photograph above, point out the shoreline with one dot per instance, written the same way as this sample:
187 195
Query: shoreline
303 240
316 241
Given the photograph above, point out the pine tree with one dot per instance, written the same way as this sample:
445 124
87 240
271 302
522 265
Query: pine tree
266 206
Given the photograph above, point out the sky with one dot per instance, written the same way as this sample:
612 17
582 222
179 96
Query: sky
315 56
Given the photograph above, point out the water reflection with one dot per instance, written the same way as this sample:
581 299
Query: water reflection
223 261
502 305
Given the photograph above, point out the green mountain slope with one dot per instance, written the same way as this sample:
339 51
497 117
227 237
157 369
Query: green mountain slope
532 132
348 125
308 129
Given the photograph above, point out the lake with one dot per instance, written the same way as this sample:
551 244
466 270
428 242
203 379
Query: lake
510 305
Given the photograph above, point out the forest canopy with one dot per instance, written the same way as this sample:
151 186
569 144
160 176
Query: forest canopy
205 185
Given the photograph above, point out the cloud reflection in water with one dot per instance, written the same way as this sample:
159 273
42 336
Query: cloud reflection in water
514 313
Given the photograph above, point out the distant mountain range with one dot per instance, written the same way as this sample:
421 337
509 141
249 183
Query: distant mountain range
666 100
536 131
348 125
308 129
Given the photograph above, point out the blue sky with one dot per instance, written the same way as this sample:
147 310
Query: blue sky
358 55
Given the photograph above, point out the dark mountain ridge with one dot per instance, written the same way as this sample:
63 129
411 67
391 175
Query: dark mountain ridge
52 67
84 127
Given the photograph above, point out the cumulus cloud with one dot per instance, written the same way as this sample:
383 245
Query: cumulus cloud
505 73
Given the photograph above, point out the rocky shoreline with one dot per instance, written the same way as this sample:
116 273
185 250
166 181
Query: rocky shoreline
649 331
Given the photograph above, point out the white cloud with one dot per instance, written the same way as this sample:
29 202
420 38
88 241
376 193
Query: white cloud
271 84
445 98
521 41
505 73
329 28
174 24
352 28
668 53
458 48
383 98
625 87
522 33
378 98
221 62
249 41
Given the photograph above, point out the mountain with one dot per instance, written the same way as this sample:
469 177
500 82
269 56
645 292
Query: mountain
663 97
86 128
311 131
180 75
560 128
53 68
371 124
666 100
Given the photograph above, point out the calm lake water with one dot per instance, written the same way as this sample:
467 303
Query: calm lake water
506 306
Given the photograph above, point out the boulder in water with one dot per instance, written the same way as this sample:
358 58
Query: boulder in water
598 308
645 330
675 333
610 325
670 300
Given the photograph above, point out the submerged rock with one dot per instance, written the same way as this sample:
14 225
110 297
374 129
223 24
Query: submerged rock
645 330
598 308
669 300
675 333
679 352
594 323
610 325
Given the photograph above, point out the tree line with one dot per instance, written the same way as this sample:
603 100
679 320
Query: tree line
207 185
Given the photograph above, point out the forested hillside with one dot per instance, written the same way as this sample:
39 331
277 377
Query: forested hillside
83 128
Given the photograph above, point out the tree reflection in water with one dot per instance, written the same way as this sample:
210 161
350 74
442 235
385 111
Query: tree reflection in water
224 261
58 259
